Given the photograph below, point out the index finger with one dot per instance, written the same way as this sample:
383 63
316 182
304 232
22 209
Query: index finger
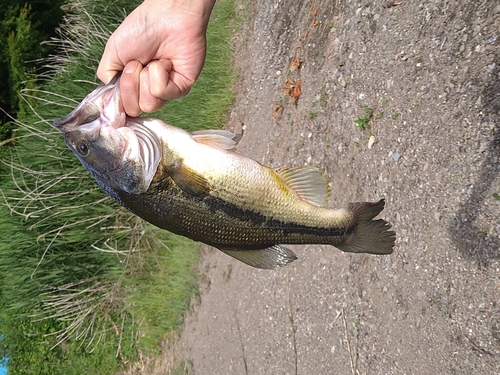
109 65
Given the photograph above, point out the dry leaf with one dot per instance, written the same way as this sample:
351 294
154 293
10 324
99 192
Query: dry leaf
278 110
296 63
297 90
392 3
289 86
314 21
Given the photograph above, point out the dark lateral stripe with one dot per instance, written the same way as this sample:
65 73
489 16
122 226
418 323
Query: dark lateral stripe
259 220
172 208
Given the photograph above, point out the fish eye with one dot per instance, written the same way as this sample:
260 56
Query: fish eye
82 148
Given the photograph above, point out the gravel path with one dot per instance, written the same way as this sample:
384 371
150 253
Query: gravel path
429 72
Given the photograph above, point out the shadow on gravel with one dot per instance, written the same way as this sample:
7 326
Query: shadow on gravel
471 243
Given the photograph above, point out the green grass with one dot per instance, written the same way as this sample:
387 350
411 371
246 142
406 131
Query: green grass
323 97
312 115
84 285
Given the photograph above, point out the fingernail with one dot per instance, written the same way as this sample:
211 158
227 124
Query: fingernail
131 67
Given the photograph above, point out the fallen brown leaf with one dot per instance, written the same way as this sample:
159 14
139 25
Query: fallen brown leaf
289 86
392 3
296 63
278 110
314 21
297 90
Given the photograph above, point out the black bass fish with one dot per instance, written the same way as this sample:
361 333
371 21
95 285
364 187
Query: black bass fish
194 185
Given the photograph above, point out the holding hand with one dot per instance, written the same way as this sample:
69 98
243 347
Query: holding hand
161 48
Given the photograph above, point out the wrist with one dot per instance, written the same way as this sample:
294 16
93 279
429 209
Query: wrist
200 9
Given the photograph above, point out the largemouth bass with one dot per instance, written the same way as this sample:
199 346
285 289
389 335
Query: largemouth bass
195 185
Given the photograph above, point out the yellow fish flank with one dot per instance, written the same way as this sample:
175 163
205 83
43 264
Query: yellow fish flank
194 185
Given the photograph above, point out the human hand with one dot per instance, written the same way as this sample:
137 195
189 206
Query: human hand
160 49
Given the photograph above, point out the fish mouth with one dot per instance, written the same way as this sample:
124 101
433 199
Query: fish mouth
83 114
88 111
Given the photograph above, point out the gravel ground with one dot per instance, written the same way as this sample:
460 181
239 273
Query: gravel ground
429 71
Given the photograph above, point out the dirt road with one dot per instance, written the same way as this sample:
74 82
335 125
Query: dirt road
424 76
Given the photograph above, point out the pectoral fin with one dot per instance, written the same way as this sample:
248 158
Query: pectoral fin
218 138
189 180
268 258
308 182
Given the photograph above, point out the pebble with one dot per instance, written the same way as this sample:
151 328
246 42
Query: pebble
483 146
371 141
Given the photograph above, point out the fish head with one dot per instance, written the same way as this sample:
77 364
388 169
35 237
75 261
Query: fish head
97 132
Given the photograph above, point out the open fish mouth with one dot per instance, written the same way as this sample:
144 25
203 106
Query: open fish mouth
93 107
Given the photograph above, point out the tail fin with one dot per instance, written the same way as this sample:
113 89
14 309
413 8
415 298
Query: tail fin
368 235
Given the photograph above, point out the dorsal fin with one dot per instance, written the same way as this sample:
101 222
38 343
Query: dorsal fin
218 138
308 182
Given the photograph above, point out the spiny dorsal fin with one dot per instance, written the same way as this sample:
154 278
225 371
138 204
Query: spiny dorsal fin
218 138
308 182
268 258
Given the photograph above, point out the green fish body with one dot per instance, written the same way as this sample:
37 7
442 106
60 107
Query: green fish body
195 185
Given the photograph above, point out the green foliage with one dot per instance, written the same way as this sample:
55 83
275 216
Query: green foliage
19 43
85 285
23 26
159 287
363 121
312 114
21 48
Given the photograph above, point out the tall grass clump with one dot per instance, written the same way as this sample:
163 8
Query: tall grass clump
85 286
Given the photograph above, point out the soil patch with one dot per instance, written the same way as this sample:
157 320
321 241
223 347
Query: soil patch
423 78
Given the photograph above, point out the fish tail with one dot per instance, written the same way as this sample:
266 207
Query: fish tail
367 235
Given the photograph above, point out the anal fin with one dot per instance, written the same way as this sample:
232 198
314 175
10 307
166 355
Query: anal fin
268 258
